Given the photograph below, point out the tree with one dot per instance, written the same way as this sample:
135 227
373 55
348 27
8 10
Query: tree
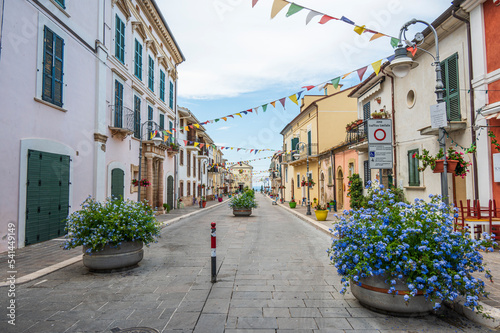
356 191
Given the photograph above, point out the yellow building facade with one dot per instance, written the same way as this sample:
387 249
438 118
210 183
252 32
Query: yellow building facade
319 126
242 176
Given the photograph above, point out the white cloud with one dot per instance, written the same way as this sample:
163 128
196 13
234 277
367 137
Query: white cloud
232 49
223 128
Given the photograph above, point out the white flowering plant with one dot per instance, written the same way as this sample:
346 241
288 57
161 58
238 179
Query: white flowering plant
414 243
243 201
110 222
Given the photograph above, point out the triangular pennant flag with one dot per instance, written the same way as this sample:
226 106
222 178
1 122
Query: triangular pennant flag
197 125
322 86
249 110
256 151
251 150
201 145
185 142
293 98
238 114
278 5
377 35
325 19
311 14
216 120
413 50
361 72
186 128
191 126
376 66
239 149
230 116
264 107
256 110
169 132
359 29
391 58
225 119
282 101
254 2
298 94
221 148
308 87
190 142
165 138
346 75
335 82
346 20
273 104
394 42
244 112
293 9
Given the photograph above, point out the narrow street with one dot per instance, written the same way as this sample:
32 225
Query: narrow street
274 276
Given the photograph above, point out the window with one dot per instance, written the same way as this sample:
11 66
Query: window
120 39
309 144
449 75
162 85
367 172
194 165
150 122
181 188
330 176
181 157
293 147
286 174
171 97
199 169
171 129
413 175
138 60
162 121
61 3
118 104
194 189
188 160
188 188
137 117
53 53
351 169
298 180
151 74
181 125
366 111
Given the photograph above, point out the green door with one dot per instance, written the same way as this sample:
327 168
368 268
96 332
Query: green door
47 196
117 183
170 191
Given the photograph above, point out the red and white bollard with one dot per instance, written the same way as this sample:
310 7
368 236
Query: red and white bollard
214 256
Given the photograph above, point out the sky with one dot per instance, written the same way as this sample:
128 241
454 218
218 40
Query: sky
238 58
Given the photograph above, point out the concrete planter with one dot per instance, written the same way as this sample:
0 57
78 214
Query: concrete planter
242 211
127 255
372 294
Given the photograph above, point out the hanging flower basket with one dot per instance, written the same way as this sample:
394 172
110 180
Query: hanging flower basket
439 168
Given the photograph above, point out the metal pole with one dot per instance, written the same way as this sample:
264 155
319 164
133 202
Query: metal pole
214 256
140 164
308 186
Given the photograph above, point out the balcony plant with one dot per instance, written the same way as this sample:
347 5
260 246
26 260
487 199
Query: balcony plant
292 203
112 232
455 161
405 258
242 204
379 115
144 182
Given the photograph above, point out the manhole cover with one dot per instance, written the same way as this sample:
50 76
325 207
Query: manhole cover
135 330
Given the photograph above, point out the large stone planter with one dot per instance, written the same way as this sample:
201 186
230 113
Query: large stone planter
242 211
127 255
372 293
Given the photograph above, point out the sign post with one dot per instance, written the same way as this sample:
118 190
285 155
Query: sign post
380 144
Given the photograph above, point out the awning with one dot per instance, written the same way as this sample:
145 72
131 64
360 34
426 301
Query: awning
371 91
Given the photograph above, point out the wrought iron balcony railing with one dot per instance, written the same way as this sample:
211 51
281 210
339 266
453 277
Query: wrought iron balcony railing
121 121
357 133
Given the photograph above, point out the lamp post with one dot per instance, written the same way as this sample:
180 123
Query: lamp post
401 66
307 159
157 141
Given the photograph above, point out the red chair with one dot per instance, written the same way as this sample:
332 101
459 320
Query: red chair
472 214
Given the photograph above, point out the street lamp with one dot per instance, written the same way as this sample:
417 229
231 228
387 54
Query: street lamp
401 66
307 159
157 139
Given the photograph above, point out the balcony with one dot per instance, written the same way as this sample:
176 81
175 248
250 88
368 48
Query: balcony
121 121
305 151
357 133
172 146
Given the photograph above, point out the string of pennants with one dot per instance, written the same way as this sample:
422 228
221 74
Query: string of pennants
294 8
248 161
376 66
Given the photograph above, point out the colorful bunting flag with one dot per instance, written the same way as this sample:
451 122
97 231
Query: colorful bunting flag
293 98
197 125
282 101
376 66
273 104
359 29
361 72
413 50
310 16
278 5
254 2
377 35
293 9
346 20
308 87
335 82
238 114
326 18
225 119
394 42
346 75
264 107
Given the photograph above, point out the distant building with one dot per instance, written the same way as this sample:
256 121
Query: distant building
242 176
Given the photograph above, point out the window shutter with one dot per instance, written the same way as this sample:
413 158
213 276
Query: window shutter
118 104
170 127
162 85
449 75
151 74
58 70
138 60
162 121
48 60
52 81
119 39
137 117
413 173
171 98
367 173
309 150
366 111
117 183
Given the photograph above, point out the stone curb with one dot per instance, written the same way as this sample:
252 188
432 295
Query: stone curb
58 266
457 306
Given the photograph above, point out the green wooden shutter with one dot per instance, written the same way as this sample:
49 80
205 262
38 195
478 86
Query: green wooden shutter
450 77
162 85
117 183
170 191
294 146
170 127
309 143
413 173
138 60
119 39
171 97
118 104
53 55
47 196
48 64
137 117
58 71
162 121
61 2
151 82
366 111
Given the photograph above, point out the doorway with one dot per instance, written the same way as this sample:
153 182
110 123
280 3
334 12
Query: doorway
340 189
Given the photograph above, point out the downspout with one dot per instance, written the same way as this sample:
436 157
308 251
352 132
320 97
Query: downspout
176 186
1 27
472 106
334 180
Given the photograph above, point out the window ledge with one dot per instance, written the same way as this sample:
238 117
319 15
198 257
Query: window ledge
60 8
50 104
415 187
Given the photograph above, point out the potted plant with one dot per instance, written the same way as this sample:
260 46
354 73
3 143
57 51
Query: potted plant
203 202
320 211
112 232
166 207
455 160
405 259
242 204
135 182
144 182
292 203
379 115
333 205
311 183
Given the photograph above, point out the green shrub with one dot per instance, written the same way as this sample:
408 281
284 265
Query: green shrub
356 191
245 201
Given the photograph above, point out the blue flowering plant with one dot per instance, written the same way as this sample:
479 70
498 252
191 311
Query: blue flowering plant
414 243
110 222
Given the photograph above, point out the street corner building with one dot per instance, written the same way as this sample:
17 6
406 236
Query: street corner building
84 84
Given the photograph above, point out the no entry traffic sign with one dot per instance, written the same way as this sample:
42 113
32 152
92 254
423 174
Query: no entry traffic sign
379 131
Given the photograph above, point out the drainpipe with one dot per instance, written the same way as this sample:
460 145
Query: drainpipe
332 162
1 27
176 186
472 106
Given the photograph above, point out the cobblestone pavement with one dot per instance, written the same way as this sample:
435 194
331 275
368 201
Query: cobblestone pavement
273 276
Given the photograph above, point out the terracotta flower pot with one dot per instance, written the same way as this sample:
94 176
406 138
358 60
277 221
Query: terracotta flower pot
439 168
